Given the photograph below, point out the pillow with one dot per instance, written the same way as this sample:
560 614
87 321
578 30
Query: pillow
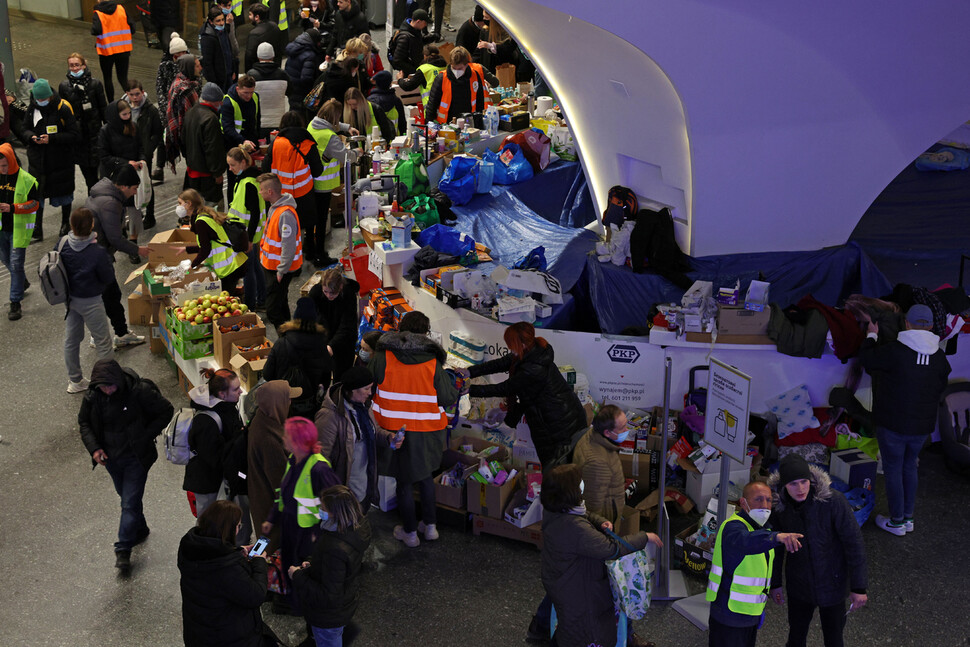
794 411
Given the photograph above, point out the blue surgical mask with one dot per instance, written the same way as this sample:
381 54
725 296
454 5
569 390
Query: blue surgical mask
360 57
77 74
364 355
324 516
622 437
226 10
219 27
42 103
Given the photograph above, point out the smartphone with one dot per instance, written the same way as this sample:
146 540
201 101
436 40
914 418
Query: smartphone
259 546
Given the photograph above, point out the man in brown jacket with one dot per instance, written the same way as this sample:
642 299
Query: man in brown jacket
598 455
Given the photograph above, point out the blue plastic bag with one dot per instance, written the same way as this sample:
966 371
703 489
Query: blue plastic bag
517 170
460 180
486 175
534 260
446 240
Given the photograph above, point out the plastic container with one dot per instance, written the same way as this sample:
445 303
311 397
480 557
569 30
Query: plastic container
491 121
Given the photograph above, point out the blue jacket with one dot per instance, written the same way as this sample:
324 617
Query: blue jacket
737 542
302 64
231 135
89 269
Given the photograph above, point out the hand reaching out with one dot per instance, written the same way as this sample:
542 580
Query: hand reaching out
790 540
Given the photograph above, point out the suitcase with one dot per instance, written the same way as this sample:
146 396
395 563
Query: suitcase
696 396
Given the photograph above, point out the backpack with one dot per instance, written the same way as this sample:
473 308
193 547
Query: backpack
237 235
53 275
392 45
177 449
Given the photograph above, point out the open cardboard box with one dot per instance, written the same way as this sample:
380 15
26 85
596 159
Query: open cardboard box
155 289
454 454
223 341
162 246
534 514
490 500
453 497
141 309
249 364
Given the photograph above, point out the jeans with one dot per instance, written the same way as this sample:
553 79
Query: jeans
114 308
254 283
405 503
203 501
85 311
277 296
13 259
800 617
328 637
900 453
721 635
129 478
120 63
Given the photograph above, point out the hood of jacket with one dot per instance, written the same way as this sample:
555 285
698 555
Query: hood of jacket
109 372
200 396
111 117
207 554
106 6
210 30
301 42
7 151
334 400
411 343
437 60
924 342
186 66
273 400
319 123
106 188
286 200
821 488
296 135
78 243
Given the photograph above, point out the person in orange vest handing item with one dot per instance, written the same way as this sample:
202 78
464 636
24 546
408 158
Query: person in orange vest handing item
459 89
112 32
412 391
280 248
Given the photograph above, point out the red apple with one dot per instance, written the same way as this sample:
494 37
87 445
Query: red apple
236 313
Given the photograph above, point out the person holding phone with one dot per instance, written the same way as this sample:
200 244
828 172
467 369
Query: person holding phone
222 586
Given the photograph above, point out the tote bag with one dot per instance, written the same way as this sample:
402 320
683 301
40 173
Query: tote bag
631 579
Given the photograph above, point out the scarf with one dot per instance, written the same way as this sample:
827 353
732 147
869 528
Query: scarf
181 96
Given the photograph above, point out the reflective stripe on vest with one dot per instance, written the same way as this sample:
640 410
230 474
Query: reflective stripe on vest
237 7
476 85
271 244
222 259
307 501
407 397
237 115
749 584
330 178
115 35
238 211
429 71
290 166
23 223
283 21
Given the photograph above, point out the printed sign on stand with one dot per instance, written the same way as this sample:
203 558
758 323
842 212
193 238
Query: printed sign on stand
726 419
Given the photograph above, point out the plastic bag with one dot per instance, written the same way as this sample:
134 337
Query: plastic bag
534 260
144 194
459 180
511 166
486 175
535 145
412 173
446 240
424 210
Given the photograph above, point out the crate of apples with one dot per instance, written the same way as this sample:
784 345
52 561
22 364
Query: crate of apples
210 308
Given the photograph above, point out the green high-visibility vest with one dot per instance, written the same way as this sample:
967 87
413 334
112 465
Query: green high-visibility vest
23 223
283 22
238 211
330 178
237 7
221 259
392 117
429 71
307 501
749 586
237 115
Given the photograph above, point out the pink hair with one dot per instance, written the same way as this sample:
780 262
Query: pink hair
303 435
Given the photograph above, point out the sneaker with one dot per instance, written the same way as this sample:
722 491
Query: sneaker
78 387
123 561
15 312
91 343
128 339
27 283
448 27
887 524
908 525
429 531
410 539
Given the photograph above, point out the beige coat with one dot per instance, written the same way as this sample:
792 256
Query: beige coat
267 458
602 475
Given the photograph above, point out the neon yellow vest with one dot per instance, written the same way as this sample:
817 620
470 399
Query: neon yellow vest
429 71
330 178
238 211
307 501
237 116
221 259
283 22
392 117
752 577
23 223
237 7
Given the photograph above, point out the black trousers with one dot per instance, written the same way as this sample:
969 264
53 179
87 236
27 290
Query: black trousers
207 187
800 618
230 282
90 174
315 231
120 63
721 635
111 297
405 503
306 211
277 297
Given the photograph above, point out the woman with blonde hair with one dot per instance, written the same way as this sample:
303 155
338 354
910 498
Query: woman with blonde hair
364 115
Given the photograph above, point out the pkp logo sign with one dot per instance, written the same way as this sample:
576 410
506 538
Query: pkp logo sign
623 353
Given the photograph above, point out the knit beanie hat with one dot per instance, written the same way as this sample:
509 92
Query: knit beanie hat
383 80
265 52
305 310
212 93
42 89
357 377
127 176
793 468
176 44
420 14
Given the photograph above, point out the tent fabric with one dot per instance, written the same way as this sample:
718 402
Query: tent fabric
559 194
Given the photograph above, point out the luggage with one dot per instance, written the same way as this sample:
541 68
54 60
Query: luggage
696 396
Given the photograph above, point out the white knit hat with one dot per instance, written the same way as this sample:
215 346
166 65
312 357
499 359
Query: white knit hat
176 45
265 52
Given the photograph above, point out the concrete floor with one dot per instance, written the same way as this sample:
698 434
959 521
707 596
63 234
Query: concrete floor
58 518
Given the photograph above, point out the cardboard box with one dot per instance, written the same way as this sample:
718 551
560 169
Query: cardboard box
756 297
695 295
501 528
531 517
693 560
629 522
162 246
156 342
249 364
313 280
454 454
453 497
853 467
741 321
700 487
223 341
140 308
151 287
490 500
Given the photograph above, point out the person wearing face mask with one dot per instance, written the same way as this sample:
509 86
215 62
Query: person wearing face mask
368 342
335 297
832 565
249 209
86 96
112 30
327 584
741 569
148 127
219 64
459 89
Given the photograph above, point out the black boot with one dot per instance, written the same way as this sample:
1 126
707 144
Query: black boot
38 234
14 314
65 220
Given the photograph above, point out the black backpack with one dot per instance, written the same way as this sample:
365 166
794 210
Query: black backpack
392 45
237 235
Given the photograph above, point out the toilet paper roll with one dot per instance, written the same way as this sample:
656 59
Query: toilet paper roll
543 104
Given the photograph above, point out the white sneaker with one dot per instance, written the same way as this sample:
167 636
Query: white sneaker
77 387
887 524
91 343
430 531
908 525
410 539
128 339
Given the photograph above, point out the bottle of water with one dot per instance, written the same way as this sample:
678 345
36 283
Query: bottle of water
491 121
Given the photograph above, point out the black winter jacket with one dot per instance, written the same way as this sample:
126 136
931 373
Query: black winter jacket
87 99
231 134
222 591
308 352
204 473
338 79
149 125
536 389
348 24
128 420
266 71
832 560
52 163
329 589
218 61
339 318
264 32
115 148
302 64
204 150
408 49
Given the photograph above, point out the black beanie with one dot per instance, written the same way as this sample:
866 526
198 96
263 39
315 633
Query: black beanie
793 468
127 176
306 310
357 377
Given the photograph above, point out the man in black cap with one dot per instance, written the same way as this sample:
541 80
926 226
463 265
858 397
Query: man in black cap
120 417
349 434
409 43
205 152
908 378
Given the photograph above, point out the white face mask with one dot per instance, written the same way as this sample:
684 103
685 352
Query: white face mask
458 73
180 211
759 516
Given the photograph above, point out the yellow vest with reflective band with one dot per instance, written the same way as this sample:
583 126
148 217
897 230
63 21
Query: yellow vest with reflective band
271 245
221 258
429 71
307 501
752 577
115 35
392 117
330 179
237 115
372 121
23 223
238 211
237 7
283 22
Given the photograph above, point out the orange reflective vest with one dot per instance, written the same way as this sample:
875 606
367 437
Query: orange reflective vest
477 82
407 397
115 35
290 165
271 244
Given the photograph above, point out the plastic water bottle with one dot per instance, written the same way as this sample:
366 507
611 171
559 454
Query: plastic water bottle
491 121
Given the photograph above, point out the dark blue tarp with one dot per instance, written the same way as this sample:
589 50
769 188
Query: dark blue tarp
559 194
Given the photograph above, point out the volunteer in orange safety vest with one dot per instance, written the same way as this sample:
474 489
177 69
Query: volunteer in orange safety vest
280 248
459 89
112 32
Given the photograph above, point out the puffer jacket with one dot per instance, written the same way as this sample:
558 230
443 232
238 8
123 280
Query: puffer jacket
87 99
52 163
219 60
302 63
308 351
536 389
832 560
204 473
329 589
222 591
115 148
204 148
107 202
602 475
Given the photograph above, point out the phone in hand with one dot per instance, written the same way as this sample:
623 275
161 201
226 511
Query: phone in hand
259 547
